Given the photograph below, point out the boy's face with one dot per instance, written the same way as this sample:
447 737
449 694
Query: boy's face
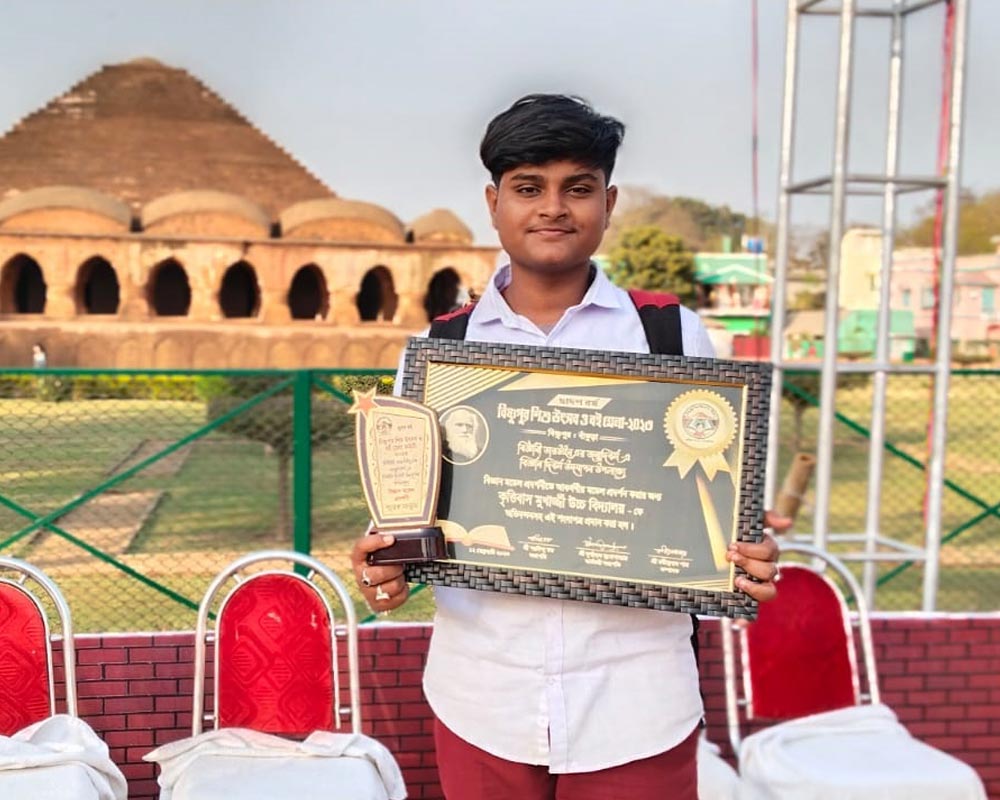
551 217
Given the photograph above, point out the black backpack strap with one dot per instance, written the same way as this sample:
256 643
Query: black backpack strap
660 314
452 325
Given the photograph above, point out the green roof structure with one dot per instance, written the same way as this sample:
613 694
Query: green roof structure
749 269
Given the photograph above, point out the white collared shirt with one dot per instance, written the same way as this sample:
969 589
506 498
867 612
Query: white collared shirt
574 686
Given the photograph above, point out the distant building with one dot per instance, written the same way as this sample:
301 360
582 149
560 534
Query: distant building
975 329
145 223
735 301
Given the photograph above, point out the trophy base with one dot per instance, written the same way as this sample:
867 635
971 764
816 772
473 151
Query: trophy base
412 546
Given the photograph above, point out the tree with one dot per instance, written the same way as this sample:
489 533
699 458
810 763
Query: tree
978 223
648 258
806 300
701 225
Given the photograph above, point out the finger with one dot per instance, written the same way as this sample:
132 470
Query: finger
388 595
762 592
369 543
764 550
776 522
762 570
377 576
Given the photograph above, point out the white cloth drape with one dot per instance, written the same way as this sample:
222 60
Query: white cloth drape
242 764
858 753
716 779
58 758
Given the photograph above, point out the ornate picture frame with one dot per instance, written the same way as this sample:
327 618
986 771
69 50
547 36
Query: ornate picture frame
599 476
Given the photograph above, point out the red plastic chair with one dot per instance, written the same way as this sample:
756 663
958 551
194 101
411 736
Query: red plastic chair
44 754
27 681
800 656
276 678
276 649
806 666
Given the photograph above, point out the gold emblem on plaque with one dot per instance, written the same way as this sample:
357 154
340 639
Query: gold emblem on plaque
700 424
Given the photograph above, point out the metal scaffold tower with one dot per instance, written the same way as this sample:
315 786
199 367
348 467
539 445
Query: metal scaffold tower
871 546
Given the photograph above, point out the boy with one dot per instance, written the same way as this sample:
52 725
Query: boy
536 698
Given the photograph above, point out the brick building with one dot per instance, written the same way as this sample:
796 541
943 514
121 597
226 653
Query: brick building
145 223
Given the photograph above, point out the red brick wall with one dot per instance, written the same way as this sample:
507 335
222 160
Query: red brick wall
940 674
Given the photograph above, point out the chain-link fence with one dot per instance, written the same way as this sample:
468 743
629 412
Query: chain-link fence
969 578
133 489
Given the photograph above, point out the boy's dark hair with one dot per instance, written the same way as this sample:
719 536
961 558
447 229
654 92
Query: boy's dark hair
540 128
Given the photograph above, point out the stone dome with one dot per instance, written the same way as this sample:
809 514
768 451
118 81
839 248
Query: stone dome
66 198
440 225
337 219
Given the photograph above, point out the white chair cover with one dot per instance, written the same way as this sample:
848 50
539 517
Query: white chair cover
58 758
857 753
242 764
716 779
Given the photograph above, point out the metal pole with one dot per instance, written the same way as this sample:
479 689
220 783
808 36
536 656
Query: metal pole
302 462
838 194
939 427
778 293
876 443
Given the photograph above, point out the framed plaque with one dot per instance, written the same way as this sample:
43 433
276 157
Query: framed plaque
615 478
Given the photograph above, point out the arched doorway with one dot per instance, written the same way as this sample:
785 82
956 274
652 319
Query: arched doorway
169 292
97 290
442 293
239 295
377 298
22 287
308 297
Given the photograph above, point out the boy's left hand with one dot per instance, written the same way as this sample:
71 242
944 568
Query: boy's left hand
759 560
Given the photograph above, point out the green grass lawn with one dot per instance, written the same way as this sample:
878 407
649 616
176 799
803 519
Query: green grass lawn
225 497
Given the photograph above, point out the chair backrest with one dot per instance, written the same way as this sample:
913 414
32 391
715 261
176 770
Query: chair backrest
276 665
799 656
27 682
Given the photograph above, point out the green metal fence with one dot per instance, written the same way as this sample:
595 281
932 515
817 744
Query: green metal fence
133 488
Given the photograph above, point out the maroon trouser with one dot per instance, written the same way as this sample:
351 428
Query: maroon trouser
468 773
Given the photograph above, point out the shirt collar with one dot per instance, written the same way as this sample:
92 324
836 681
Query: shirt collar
492 306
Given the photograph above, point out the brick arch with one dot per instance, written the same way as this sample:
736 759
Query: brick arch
92 352
358 354
208 354
246 353
129 354
308 295
168 290
284 355
442 292
239 292
97 290
321 354
22 286
376 298
171 353
388 357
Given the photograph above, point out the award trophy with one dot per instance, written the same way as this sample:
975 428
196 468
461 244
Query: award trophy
399 461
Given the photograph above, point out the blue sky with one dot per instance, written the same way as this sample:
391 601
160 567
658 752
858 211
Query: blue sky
385 100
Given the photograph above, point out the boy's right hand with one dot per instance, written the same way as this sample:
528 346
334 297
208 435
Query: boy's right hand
384 588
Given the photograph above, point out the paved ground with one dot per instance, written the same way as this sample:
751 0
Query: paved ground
108 522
